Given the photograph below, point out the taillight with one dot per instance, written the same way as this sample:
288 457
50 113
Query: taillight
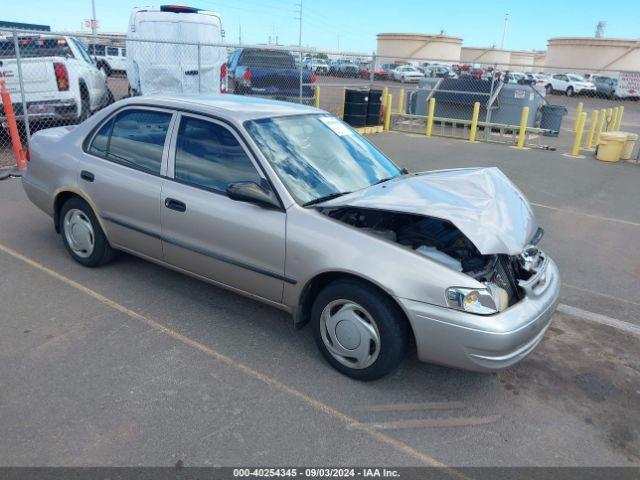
62 76
247 75
223 78
314 78
27 154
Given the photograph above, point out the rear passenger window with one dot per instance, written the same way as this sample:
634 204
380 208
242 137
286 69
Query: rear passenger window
208 155
113 51
135 138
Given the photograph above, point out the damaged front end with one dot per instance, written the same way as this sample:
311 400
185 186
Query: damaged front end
507 277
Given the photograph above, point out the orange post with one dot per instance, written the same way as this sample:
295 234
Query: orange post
18 152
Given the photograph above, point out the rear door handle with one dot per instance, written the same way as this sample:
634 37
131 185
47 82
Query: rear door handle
173 204
88 176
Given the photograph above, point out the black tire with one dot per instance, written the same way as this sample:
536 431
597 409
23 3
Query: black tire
102 252
390 321
549 89
85 104
570 92
105 68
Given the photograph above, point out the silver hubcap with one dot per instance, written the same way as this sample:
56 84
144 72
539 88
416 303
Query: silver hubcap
350 334
79 232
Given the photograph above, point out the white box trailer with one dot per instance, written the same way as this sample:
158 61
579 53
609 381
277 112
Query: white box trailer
163 55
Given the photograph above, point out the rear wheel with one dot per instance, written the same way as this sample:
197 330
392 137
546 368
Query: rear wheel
549 89
82 235
360 331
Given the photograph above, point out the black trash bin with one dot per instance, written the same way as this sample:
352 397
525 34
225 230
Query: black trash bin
355 107
374 106
551 118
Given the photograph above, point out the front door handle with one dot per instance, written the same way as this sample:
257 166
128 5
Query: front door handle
88 176
173 204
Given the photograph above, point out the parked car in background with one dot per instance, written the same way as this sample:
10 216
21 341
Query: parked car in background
438 71
63 82
569 83
109 58
407 73
516 78
344 68
155 65
378 74
269 73
290 206
317 66
610 87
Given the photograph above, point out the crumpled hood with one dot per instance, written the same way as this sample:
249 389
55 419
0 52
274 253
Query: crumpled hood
481 202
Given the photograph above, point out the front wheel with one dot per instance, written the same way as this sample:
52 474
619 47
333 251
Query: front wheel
82 235
360 331
570 92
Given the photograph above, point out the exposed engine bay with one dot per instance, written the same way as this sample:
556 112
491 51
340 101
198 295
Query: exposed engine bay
443 242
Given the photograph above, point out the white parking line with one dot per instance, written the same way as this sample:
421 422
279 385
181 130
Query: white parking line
595 217
600 319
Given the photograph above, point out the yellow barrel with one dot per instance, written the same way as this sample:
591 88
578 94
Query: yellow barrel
629 144
610 147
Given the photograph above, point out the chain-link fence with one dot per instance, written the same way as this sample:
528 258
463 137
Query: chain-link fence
54 79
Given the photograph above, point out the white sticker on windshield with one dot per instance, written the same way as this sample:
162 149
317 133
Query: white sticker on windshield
336 126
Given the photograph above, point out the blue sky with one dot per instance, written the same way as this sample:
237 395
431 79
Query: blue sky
353 24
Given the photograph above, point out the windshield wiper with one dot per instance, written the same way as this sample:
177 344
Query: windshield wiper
324 198
384 180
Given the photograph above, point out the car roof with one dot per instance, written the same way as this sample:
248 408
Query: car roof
237 108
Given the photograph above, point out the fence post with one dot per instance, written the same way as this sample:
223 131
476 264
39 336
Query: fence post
25 116
618 120
316 100
523 127
474 122
401 101
387 113
199 72
300 68
344 99
602 118
487 130
592 128
578 112
432 109
372 73
578 138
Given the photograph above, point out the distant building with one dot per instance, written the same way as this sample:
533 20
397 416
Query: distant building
4 25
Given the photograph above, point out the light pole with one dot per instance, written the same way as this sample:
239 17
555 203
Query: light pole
504 30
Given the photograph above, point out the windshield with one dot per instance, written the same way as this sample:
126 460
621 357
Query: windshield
576 78
318 155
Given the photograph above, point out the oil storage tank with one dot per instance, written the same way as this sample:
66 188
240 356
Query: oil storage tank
417 47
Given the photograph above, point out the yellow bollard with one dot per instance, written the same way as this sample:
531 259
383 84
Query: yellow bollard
387 113
401 101
316 99
592 130
602 117
578 138
474 122
618 121
432 109
344 100
385 92
609 116
523 127
578 112
614 116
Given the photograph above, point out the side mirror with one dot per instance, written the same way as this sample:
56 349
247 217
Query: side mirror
251 192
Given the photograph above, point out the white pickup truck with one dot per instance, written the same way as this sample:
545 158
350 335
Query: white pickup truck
60 80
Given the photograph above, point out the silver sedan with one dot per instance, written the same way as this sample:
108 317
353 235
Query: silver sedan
288 205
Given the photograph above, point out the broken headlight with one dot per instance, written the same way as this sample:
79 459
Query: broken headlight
481 301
